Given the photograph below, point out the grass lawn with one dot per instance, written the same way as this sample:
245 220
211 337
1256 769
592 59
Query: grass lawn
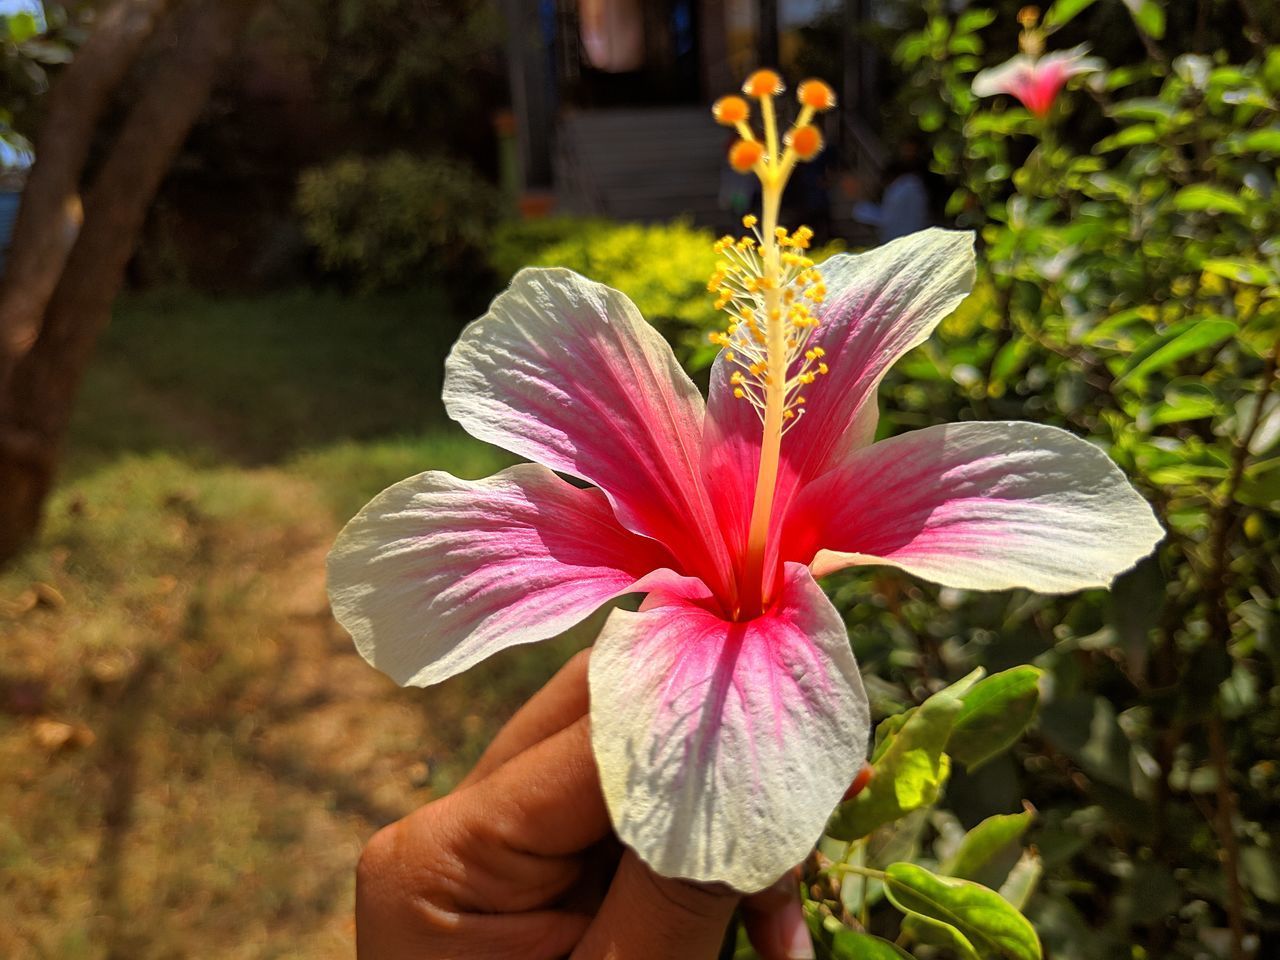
193 754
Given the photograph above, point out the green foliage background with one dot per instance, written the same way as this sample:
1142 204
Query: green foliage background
1129 292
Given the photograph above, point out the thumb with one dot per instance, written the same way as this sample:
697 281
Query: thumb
646 916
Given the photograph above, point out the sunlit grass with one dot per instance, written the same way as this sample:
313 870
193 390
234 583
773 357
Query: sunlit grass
193 753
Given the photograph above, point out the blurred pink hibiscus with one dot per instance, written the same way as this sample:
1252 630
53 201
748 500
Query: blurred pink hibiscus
1035 80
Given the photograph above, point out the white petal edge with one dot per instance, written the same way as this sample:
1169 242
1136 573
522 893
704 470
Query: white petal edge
988 506
436 574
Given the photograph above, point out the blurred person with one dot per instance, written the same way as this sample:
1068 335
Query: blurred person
905 206
521 859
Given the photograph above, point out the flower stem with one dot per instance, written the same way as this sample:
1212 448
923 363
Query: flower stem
860 871
755 592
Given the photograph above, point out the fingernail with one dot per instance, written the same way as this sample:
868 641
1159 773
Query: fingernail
799 943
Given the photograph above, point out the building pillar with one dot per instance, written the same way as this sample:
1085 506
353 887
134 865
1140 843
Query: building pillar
529 60
767 51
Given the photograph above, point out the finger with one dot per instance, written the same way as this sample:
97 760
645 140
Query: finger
558 704
774 921
518 838
645 916
547 800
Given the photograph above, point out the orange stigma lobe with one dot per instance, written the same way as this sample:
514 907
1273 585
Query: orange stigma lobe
806 141
730 111
816 95
763 83
744 155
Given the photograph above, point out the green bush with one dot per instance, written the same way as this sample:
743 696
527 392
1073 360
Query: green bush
1128 291
388 221
662 267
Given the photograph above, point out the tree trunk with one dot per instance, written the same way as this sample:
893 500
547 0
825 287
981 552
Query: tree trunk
36 402
50 217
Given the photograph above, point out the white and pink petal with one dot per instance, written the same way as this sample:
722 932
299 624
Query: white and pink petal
724 746
566 372
983 506
879 305
435 574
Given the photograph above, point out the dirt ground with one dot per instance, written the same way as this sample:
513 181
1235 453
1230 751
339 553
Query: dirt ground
193 752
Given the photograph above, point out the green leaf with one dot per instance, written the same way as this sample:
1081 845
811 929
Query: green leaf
1113 328
1202 197
1142 108
979 921
1139 133
908 773
20 27
1184 399
976 19
1064 11
1010 359
1266 140
1023 879
981 844
1240 270
1148 15
851 945
994 714
1169 347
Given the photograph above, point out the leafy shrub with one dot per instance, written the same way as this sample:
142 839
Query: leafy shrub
1129 291
662 267
386 222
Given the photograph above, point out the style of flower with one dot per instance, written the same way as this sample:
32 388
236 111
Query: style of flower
728 715
1033 76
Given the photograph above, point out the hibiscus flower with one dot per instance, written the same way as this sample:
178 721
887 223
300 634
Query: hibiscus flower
1034 77
728 714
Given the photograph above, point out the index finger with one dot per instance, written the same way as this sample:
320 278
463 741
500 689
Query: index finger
547 800
553 708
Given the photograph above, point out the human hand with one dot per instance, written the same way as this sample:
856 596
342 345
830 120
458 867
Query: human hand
521 859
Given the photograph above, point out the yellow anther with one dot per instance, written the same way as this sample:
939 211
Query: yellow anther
763 83
749 221
788 414
744 155
807 378
739 392
728 356
780 233
819 352
822 368
730 111
801 401
816 95
737 377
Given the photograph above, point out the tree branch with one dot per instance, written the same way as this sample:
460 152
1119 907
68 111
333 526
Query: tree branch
50 217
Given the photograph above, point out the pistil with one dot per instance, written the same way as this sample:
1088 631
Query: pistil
767 286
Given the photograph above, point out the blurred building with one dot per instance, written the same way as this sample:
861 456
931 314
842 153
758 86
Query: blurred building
611 97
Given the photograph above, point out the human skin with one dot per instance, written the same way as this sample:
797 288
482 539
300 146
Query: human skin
521 860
